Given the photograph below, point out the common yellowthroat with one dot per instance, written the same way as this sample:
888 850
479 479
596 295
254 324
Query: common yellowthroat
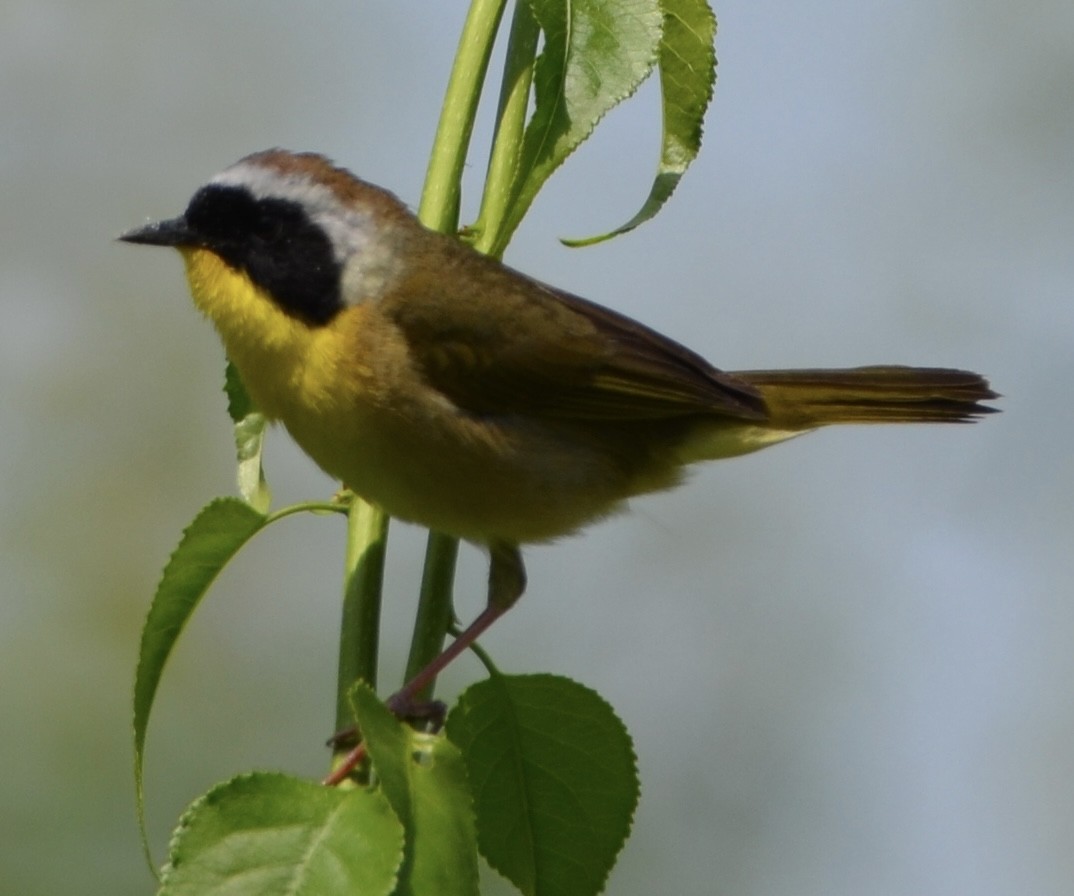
460 394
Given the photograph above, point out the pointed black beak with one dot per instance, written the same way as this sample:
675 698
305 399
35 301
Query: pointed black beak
173 232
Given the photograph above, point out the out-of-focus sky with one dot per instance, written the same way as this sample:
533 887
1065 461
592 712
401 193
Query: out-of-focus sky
847 662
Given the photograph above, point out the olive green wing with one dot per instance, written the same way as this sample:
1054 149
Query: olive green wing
506 344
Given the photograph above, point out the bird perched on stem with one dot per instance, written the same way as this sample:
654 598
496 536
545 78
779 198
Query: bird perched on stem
457 393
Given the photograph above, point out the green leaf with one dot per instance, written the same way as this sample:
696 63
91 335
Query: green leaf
596 53
208 543
554 780
250 428
249 443
239 403
269 833
424 780
687 65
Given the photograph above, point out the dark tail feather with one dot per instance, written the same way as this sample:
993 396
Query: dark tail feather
804 399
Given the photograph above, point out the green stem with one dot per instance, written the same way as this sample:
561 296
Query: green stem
367 535
500 180
320 507
434 606
439 210
443 178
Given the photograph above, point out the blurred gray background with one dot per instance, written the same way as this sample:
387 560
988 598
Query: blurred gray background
847 662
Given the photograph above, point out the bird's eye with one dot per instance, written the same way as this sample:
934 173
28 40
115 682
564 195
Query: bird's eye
266 226
222 212
278 221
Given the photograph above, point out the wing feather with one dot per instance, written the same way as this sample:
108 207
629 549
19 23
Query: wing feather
494 341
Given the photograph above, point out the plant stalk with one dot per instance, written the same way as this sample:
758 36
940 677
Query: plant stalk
439 210
367 539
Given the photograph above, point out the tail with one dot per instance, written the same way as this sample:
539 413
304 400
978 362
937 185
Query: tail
805 399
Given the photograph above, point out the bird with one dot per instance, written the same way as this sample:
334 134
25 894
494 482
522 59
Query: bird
455 392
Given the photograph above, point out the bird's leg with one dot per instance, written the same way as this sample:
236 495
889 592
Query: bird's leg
507 581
